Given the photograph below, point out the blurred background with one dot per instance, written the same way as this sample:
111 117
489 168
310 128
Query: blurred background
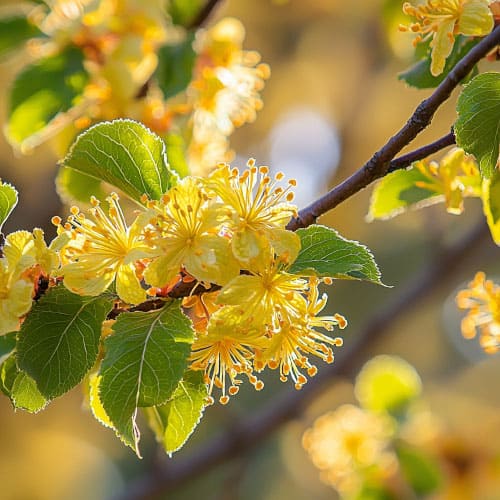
332 100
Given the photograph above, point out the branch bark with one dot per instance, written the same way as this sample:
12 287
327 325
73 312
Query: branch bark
248 433
379 164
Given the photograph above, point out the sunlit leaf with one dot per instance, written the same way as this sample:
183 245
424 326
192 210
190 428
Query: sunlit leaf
74 186
42 92
59 339
477 128
176 420
325 253
175 66
397 192
7 345
145 359
491 205
8 201
125 154
183 12
176 153
15 30
25 394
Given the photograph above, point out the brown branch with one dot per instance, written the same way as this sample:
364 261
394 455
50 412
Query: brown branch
247 434
378 165
203 15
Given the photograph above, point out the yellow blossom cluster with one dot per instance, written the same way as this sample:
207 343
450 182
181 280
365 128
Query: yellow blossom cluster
348 444
25 259
121 42
225 231
224 93
482 299
442 20
455 177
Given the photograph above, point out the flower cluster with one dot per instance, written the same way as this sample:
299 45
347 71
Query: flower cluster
441 20
25 260
224 92
226 231
482 299
123 44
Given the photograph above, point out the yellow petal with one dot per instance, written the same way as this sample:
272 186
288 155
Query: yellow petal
79 280
128 286
476 18
442 45
161 271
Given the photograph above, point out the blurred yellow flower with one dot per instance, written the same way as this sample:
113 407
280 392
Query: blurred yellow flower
187 234
482 299
455 177
349 443
260 211
442 20
103 247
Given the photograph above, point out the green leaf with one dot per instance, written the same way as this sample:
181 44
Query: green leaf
42 92
176 420
8 374
7 345
420 470
8 201
420 76
477 128
182 12
59 339
125 154
14 31
145 359
25 394
176 153
397 192
74 186
175 66
325 253
491 205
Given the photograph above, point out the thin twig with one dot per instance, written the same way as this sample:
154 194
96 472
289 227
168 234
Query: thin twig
203 15
248 433
378 165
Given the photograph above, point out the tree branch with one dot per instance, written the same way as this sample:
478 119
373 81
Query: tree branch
248 433
379 164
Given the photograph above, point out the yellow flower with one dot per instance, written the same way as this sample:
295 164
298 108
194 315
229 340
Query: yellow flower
226 351
260 211
442 20
455 177
102 247
267 296
346 444
290 346
16 281
482 299
188 226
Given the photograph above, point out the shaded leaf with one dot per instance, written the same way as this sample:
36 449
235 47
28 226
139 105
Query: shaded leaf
42 92
176 420
7 345
397 192
182 12
8 201
125 154
420 76
15 30
420 470
145 359
175 66
59 339
477 128
325 253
